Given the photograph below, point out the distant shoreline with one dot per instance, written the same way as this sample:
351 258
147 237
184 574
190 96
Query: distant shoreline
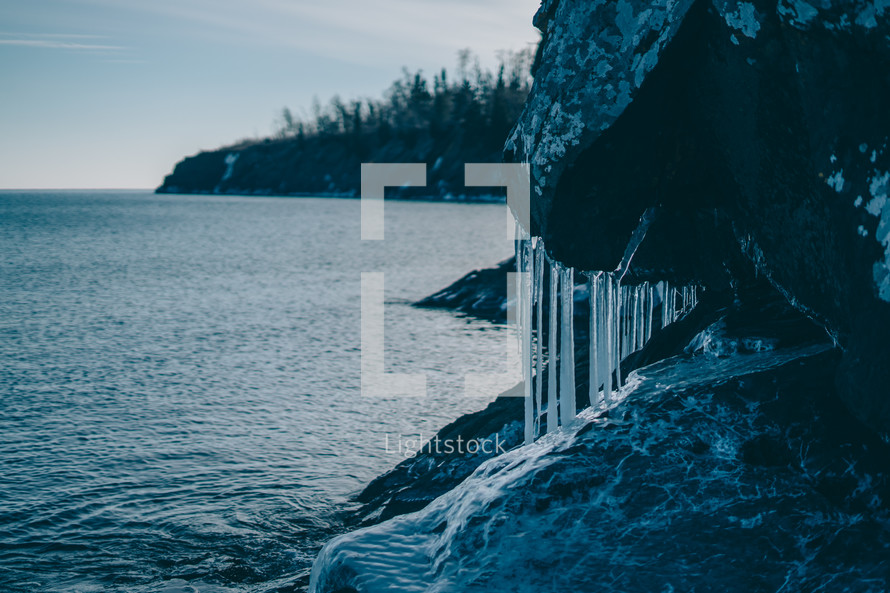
460 199
485 199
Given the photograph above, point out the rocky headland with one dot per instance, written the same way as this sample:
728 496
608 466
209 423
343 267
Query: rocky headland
444 122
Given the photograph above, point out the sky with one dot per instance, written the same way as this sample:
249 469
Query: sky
112 93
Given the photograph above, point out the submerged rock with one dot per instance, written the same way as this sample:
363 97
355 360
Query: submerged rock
481 293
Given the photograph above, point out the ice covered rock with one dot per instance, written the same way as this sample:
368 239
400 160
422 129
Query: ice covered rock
708 472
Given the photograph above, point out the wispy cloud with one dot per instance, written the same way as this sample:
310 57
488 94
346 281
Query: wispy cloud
125 61
55 44
52 35
63 41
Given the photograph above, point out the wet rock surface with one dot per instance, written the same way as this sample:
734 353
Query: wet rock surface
715 469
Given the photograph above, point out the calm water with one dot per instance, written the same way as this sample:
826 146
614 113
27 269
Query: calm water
179 379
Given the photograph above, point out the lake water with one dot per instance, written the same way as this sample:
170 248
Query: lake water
180 404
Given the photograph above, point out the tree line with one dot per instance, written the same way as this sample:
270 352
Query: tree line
445 121
475 106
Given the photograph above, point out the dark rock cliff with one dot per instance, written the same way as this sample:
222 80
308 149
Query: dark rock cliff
749 131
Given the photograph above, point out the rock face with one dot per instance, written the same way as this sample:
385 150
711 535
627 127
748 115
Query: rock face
748 131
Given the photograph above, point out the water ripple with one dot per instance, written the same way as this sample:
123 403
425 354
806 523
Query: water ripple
179 384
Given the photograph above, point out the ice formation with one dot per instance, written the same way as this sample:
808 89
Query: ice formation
566 346
621 318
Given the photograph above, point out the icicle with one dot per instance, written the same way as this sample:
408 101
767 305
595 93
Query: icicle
641 321
618 295
675 313
619 317
635 319
632 319
605 370
670 303
552 331
609 324
525 328
659 289
641 309
650 310
593 371
619 323
517 244
627 319
539 310
622 322
567 347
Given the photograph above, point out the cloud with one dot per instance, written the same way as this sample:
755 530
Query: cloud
52 35
64 41
51 44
